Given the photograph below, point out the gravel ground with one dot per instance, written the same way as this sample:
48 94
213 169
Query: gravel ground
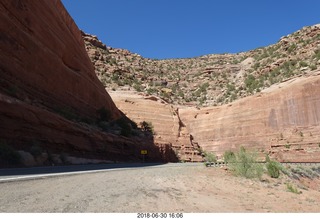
165 188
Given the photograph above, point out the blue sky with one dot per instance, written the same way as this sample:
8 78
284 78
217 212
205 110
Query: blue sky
189 28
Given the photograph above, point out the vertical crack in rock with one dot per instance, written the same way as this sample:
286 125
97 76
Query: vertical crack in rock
188 150
180 123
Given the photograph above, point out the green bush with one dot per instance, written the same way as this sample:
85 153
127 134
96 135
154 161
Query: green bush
125 125
317 54
292 189
210 157
228 156
252 83
147 127
245 164
273 169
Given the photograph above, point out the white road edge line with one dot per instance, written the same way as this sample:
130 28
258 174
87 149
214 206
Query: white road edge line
35 176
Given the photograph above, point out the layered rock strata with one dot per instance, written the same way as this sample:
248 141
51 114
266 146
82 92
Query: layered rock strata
164 118
282 121
44 61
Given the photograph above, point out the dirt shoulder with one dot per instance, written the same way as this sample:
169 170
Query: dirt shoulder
178 188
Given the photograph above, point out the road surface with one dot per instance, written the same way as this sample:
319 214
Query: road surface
12 174
157 188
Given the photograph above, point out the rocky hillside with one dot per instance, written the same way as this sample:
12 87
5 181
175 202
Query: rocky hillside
265 99
53 108
208 80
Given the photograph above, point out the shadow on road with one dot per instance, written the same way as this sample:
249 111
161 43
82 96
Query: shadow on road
70 169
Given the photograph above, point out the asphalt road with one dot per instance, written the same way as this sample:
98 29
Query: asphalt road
132 188
12 174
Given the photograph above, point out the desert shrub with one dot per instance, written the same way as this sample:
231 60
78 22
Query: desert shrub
292 189
228 156
251 83
304 172
316 170
273 169
147 127
210 157
303 64
8 155
137 87
245 164
134 125
317 54
125 125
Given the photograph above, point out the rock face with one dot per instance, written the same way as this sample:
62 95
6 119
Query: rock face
43 59
50 94
282 121
165 120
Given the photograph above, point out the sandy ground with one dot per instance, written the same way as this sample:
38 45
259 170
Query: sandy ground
180 188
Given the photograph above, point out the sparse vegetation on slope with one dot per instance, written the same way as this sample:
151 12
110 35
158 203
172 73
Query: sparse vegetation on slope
210 79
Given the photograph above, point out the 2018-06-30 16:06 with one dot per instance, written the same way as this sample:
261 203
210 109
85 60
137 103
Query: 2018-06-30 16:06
159 215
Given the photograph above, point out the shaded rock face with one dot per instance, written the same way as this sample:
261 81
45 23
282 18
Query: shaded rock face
57 135
43 59
282 121
49 93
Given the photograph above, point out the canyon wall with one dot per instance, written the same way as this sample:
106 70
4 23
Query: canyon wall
164 118
282 121
50 94
44 61
50 97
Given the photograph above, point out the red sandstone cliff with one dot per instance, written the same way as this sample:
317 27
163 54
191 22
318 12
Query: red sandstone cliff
283 121
43 59
165 120
49 93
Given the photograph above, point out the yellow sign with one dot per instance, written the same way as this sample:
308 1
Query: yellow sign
144 152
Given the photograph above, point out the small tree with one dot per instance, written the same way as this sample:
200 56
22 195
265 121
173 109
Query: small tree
245 164
273 168
125 125
210 157
228 156
147 127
